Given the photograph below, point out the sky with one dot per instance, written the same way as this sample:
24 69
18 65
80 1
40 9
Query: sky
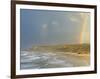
48 27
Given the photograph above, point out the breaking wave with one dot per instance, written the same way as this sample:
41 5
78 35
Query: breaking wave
37 60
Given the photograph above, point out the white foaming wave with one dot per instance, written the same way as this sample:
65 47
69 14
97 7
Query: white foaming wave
33 56
41 59
24 53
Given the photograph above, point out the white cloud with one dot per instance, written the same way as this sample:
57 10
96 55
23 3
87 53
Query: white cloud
44 32
54 23
44 26
74 19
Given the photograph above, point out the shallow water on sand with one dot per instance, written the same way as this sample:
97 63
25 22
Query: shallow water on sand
40 60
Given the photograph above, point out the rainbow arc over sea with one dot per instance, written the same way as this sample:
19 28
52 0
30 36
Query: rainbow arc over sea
84 36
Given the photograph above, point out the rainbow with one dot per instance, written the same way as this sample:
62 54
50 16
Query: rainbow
83 35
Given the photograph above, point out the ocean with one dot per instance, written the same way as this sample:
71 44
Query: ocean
40 60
